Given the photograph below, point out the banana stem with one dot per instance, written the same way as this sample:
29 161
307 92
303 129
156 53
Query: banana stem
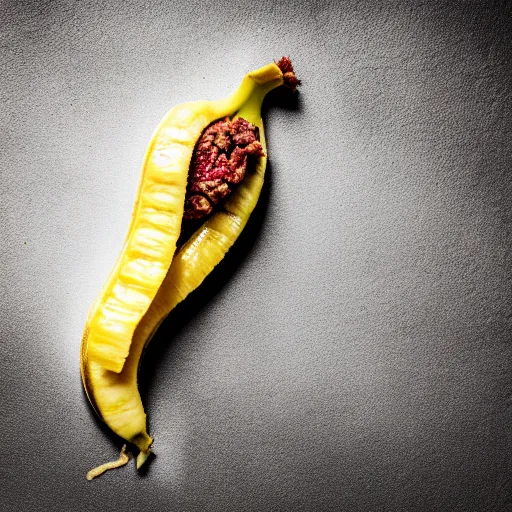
251 109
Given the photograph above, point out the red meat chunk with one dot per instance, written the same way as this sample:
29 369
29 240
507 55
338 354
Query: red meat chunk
219 163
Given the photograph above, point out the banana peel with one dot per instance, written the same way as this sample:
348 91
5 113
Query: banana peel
150 277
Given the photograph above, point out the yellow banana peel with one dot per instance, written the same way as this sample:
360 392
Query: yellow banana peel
150 278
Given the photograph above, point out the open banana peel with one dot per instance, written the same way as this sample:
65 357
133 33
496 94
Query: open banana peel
201 179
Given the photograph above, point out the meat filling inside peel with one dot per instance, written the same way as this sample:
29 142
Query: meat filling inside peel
222 156
219 163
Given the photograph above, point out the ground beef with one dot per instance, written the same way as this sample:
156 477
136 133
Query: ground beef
219 163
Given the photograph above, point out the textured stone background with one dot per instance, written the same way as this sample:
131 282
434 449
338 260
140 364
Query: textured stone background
358 356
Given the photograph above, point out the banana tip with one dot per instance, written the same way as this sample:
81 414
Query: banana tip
142 457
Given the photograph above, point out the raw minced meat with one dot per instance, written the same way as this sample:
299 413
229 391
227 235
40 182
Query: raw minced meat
219 163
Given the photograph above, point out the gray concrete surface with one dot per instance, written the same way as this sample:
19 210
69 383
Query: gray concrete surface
355 352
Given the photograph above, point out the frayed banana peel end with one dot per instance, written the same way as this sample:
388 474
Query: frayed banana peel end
123 459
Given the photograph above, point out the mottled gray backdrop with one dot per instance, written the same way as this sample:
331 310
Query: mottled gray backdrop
354 353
